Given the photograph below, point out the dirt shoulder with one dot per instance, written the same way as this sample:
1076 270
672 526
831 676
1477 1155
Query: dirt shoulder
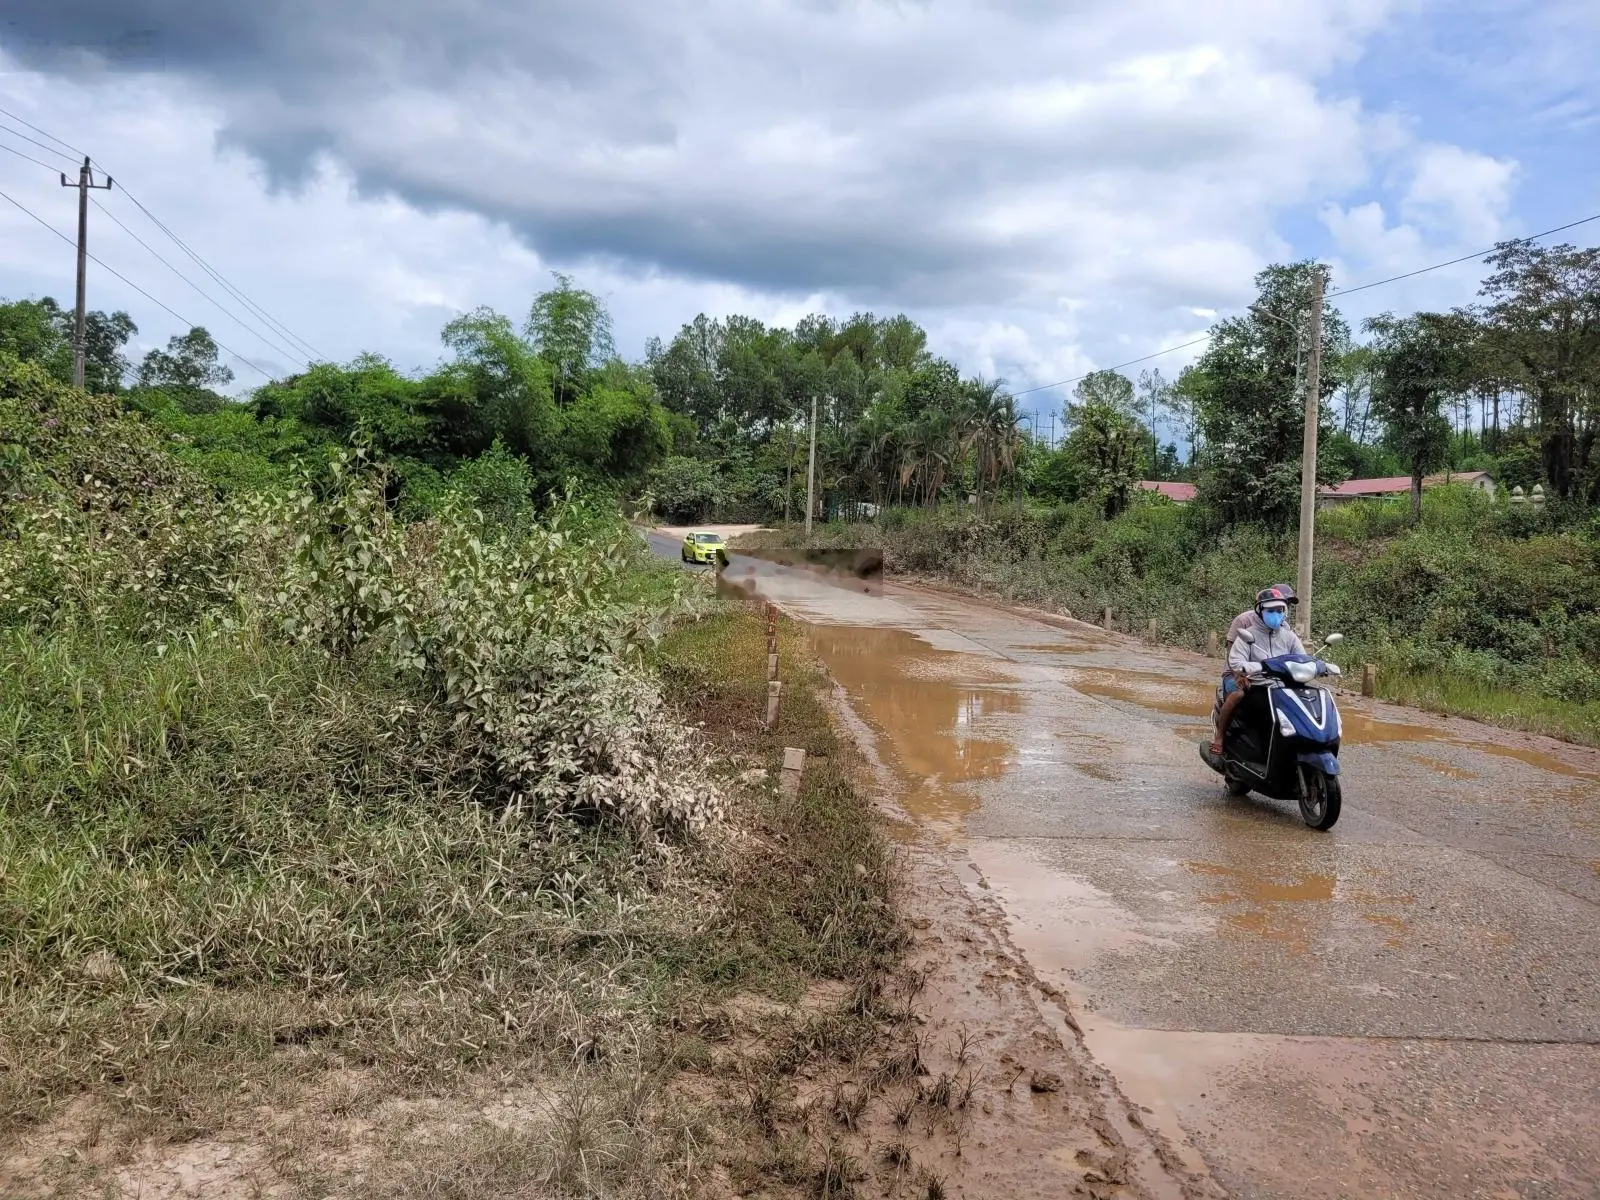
1042 1119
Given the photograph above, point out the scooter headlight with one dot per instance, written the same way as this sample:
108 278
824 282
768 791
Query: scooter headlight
1285 726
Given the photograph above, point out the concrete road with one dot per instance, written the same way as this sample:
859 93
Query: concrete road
1408 1005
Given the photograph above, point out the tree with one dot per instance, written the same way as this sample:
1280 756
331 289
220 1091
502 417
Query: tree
1107 389
41 331
504 391
1418 362
1105 449
569 329
1248 395
1543 318
1155 398
189 370
105 366
991 432
685 490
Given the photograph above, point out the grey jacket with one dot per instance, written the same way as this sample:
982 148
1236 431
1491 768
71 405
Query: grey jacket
1268 643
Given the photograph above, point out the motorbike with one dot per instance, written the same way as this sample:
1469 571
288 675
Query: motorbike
1283 739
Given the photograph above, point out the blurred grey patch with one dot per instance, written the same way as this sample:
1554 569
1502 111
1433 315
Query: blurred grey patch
859 570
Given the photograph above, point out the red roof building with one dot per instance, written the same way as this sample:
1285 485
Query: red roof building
1178 493
1398 485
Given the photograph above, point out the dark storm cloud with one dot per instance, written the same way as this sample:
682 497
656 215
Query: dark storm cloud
930 153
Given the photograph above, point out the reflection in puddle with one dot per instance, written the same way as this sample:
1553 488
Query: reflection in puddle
1269 915
1067 645
1162 693
1444 768
1361 729
907 691
1098 771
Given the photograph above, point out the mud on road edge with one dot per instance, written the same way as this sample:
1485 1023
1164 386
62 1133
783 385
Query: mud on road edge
1046 1118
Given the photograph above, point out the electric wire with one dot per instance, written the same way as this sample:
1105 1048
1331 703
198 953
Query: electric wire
277 326
30 158
35 142
275 347
113 271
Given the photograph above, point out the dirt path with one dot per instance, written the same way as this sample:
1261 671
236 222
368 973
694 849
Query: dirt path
1408 1005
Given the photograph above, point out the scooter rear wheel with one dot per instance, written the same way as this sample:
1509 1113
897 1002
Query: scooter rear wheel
1320 805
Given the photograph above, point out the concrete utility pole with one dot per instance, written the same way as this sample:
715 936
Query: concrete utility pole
811 469
1308 453
84 185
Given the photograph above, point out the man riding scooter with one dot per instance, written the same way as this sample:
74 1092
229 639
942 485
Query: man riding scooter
1268 623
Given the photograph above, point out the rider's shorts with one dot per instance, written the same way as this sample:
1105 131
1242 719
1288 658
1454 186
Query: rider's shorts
1230 685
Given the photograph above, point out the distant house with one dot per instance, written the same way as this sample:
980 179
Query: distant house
1398 485
1178 493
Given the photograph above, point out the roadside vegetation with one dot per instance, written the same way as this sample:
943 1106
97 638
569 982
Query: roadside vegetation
1478 610
324 833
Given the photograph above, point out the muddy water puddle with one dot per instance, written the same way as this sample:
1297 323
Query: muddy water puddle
1161 693
929 708
1363 730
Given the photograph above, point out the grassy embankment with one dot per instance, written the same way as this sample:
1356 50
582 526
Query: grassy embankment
1479 611
384 857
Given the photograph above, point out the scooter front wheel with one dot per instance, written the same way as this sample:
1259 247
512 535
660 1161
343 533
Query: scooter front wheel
1321 801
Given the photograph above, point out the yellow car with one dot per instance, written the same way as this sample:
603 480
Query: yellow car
703 547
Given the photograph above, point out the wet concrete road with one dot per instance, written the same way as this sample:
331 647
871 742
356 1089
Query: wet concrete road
1408 1005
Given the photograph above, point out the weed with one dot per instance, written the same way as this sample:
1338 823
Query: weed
849 1102
897 1155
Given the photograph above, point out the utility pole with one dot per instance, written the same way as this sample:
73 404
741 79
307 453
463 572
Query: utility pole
84 185
1308 453
811 469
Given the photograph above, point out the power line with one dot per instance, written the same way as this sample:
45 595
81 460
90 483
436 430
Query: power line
1532 237
43 133
246 326
1132 362
36 142
30 158
271 322
113 271
278 327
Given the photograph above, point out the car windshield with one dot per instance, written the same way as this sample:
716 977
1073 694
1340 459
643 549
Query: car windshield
708 538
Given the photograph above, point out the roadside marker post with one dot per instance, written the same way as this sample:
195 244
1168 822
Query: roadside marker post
1211 644
1107 621
794 764
772 666
774 689
1153 632
1369 679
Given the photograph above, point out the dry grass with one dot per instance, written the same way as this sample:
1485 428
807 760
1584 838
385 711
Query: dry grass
284 940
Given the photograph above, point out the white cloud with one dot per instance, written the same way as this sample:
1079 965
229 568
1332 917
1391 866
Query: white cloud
1048 190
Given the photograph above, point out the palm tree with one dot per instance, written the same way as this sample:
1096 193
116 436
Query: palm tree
991 431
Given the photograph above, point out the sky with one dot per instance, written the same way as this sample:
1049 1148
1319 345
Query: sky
1048 186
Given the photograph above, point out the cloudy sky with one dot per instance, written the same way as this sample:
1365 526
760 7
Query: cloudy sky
1048 186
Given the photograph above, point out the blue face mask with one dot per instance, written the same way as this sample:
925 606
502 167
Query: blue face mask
1272 618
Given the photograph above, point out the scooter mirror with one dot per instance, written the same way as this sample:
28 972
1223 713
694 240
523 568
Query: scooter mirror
1335 638
1247 635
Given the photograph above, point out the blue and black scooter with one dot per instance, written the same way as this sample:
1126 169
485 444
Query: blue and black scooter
1283 740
